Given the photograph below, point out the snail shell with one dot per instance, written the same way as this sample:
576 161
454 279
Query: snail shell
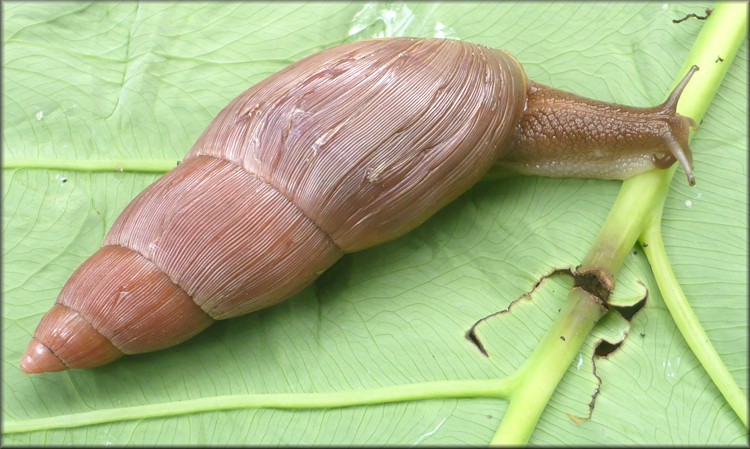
343 150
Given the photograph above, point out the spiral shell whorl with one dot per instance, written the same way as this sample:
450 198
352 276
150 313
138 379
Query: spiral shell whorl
234 244
370 139
174 262
117 302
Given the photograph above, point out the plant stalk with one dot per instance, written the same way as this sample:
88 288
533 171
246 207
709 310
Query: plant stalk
550 360
639 201
722 35
94 165
451 389
548 364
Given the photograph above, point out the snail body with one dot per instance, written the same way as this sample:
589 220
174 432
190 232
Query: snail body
343 150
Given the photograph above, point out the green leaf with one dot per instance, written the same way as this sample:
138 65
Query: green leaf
132 85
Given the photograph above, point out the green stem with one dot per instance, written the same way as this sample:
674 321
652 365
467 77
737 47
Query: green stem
722 34
453 389
635 201
639 201
547 365
105 165
688 324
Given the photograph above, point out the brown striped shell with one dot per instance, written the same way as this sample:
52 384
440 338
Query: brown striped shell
343 150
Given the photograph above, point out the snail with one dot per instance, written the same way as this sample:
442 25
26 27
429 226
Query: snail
345 149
